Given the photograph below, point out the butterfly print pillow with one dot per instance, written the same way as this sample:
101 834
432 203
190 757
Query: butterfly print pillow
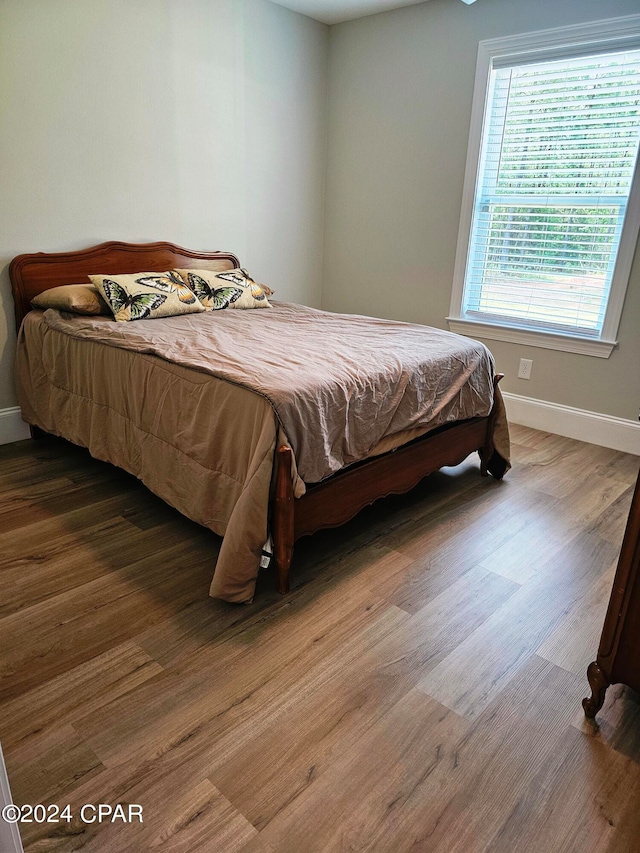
227 289
147 295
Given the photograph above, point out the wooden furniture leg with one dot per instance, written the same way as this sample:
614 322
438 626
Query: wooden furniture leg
598 683
487 450
283 518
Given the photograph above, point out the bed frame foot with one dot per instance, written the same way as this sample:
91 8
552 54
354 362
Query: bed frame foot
598 683
283 518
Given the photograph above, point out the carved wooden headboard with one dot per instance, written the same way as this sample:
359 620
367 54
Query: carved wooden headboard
31 274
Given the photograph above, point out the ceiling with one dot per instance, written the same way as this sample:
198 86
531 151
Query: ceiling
337 11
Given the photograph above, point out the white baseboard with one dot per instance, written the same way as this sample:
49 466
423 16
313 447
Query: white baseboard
12 427
605 430
9 836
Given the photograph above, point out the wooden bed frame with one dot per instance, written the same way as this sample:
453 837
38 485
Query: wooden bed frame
330 503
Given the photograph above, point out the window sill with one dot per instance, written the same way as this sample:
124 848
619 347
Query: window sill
546 340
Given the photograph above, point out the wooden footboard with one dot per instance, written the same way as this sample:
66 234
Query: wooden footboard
339 498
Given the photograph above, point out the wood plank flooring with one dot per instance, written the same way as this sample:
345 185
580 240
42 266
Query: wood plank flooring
419 689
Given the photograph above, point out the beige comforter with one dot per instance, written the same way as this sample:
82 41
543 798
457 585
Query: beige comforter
186 403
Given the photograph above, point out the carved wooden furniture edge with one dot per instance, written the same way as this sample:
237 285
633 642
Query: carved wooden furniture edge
598 682
31 273
621 592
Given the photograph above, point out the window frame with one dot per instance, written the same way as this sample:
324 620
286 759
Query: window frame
613 34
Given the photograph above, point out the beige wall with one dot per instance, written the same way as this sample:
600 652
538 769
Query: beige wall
400 91
201 122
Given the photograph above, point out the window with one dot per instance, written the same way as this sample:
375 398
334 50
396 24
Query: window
552 213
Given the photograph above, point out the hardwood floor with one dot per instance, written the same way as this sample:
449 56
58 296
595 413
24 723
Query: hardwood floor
419 689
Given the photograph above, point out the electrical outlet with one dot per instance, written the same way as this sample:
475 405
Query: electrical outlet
526 364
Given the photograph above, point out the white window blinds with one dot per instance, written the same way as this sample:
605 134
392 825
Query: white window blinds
559 146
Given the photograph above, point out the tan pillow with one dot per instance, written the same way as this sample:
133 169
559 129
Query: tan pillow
77 298
147 295
227 289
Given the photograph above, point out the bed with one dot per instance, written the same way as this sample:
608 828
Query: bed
210 430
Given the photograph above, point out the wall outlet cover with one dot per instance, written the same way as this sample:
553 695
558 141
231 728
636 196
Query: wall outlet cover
524 371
